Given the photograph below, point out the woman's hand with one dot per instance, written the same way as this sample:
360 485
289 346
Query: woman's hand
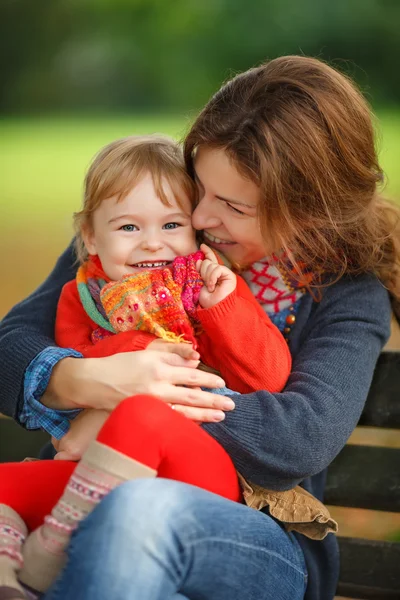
83 429
103 382
219 281
184 350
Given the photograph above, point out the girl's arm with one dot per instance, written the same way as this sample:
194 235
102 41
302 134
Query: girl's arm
239 339
242 343
278 440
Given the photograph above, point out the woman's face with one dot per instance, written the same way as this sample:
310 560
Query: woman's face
227 208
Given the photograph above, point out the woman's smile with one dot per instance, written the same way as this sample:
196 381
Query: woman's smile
216 241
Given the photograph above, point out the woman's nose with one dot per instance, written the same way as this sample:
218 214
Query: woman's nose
204 217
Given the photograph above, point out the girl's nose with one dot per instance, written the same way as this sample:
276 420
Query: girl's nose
152 244
204 217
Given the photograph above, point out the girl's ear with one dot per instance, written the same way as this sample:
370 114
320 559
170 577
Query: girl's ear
88 238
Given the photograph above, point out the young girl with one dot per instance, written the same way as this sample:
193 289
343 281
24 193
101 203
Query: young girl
141 281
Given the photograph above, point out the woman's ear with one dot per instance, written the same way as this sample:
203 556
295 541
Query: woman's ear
88 238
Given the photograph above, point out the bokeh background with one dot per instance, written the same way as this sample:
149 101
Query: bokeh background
75 74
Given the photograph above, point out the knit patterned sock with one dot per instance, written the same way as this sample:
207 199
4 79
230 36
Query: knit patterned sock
100 471
12 535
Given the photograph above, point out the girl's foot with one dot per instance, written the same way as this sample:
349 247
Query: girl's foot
100 470
13 532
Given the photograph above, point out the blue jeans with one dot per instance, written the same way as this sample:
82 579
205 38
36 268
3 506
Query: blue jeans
158 539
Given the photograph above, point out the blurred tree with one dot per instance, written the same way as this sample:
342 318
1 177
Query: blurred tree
147 54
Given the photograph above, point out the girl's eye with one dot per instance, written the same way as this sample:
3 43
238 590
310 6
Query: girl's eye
129 228
239 212
171 226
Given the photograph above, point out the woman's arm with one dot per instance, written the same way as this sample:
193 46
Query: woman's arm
27 330
278 440
72 383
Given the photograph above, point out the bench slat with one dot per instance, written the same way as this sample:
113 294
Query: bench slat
382 408
16 443
365 477
369 569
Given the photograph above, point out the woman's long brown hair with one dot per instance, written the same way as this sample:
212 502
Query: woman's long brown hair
304 133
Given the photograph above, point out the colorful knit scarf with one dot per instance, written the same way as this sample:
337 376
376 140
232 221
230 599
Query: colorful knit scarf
161 301
278 291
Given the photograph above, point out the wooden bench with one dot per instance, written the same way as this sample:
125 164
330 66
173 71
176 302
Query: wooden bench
369 477
360 477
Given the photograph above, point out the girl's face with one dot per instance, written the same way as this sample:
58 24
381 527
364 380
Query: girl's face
139 232
227 208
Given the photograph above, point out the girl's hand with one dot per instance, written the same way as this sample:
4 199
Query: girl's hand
103 382
83 429
219 281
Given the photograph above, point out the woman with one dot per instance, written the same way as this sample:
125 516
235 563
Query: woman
283 156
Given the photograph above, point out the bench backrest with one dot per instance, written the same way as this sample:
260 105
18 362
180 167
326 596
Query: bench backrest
369 477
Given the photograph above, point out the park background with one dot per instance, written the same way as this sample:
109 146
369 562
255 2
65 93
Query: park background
76 74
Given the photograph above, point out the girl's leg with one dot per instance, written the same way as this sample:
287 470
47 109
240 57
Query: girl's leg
155 539
143 437
32 488
149 431
28 491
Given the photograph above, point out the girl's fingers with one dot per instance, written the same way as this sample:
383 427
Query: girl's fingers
203 269
208 253
210 272
214 274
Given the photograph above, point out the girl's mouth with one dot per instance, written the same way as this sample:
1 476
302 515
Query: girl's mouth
151 264
217 241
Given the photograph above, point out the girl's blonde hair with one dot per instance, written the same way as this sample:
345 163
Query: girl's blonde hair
119 166
303 133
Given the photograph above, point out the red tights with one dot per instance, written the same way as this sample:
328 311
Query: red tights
143 428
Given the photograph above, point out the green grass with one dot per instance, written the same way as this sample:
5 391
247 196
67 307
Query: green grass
43 161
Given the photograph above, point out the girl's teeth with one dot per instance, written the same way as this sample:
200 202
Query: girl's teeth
149 265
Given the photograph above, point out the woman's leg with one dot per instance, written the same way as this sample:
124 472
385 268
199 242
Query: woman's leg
155 539
143 437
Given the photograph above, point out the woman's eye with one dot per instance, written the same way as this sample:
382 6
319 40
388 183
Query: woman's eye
239 212
171 225
128 228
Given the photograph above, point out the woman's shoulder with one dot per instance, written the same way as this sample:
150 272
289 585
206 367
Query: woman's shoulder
354 308
360 292
359 298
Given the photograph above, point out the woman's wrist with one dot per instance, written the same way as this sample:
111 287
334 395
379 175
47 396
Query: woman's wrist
62 390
